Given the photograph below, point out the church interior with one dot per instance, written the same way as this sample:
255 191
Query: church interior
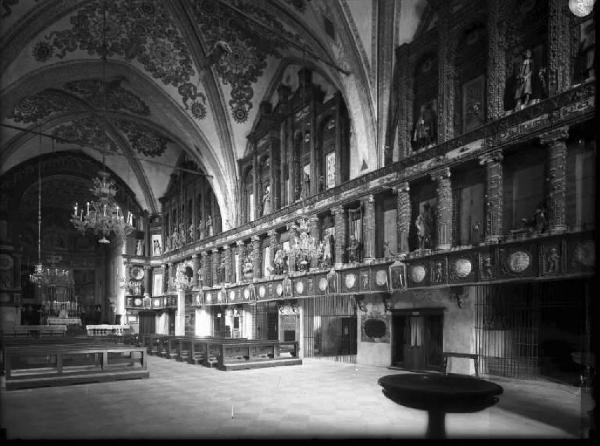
233 218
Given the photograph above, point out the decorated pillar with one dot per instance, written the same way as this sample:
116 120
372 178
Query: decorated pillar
369 228
445 111
273 243
444 208
403 215
239 248
165 282
171 277
206 270
556 177
196 268
559 47
256 256
228 267
496 61
494 195
314 232
147 280
340 233
215 263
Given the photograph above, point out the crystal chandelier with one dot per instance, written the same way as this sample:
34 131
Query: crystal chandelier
102 216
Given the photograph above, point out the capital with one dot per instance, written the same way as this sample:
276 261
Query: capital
337 210
215 250
554 135
239 243
255 238
440 174
404 186
272 233
225 247
368 198
204 253
147 267
491 157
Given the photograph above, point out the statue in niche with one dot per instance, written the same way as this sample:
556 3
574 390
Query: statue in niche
552 260
156 247
191 233
423 225
539 222
387 250
221 272
209 226
476 233
139 248
182 234
425 127
353 250
327 257
200 229
321 183
524 81
278 260
437 273
266 200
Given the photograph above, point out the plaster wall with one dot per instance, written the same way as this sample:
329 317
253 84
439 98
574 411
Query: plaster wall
458 329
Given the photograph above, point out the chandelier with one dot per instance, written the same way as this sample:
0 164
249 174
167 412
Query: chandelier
102 216
50 276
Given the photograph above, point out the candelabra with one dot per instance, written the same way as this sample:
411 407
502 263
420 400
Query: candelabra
102 216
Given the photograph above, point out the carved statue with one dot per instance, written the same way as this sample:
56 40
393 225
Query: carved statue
539 222
387 250
278 261
353 250
524 81
139 248
425 133
305 186
192 233
156 248
182 234
209 226
437 273
423 223
552 261
200 229
327 257
266 201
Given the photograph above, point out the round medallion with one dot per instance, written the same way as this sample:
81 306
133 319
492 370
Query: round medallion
463 267
246 293
519 261
136 272
350 280
584 253
208 297
323 283
299 287
381 277
6 262
279 289
581 8
137 302
231 295
262 291
375 328
156 302
417 273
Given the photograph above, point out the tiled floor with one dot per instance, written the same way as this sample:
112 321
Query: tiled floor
319 399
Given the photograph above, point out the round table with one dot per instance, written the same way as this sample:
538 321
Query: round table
439 394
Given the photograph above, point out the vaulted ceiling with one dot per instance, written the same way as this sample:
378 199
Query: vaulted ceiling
145 84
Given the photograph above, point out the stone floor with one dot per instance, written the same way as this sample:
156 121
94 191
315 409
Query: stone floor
319 399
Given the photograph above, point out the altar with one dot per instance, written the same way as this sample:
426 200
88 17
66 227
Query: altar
52 320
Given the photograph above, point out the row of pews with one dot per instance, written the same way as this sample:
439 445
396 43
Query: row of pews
28 362
223 353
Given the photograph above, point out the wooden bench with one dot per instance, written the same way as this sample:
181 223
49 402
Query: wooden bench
34 330
257 353
472 356
50 364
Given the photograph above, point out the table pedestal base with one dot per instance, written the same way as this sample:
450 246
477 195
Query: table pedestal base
436 427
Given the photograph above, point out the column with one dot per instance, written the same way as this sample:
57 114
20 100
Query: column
255 188
559 47
339 155
196 268
314 232
214 270
496 62
273 243
256 256
369 228
147 280
340 233
165 271
228 267
170 276
239 248
403 215
494 195
444 208
556 177
206 271
446 48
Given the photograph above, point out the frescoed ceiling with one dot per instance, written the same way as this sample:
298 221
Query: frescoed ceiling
143 85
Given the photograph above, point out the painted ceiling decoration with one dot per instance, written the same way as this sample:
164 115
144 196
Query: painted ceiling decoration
95 91
249 46
49 101
88 132
140 30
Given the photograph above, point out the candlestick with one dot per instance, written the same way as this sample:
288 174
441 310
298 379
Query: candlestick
88 208
75 209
